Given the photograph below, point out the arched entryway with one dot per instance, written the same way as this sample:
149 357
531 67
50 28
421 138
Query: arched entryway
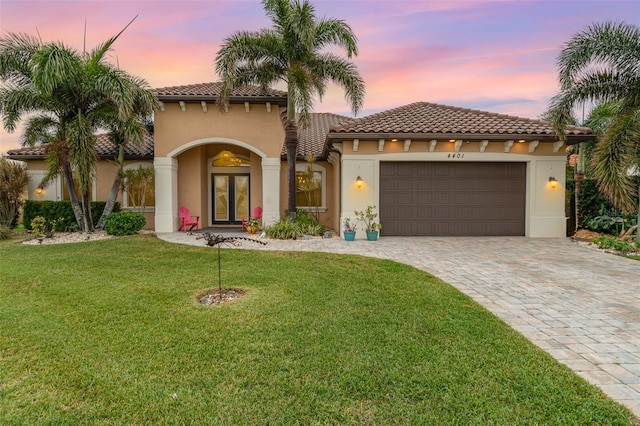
189 175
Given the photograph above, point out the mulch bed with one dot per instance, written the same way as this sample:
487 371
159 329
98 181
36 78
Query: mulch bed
216 296
585 235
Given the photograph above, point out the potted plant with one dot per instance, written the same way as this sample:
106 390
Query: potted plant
253 225
349 230
368 217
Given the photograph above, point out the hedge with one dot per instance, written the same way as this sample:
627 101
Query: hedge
124 223
591 200
61 212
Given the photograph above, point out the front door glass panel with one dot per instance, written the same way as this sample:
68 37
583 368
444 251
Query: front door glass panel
241 186
221 198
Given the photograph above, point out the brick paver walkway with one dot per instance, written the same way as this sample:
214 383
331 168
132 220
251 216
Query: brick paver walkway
578 304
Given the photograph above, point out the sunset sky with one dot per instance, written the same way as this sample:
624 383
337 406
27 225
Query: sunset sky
496 56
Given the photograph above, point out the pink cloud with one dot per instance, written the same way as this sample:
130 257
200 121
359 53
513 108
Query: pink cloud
493 55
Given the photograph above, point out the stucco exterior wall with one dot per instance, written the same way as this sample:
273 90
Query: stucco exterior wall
544 211
258 128
193 137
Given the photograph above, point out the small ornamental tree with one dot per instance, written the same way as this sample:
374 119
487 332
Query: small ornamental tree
13 183
137 183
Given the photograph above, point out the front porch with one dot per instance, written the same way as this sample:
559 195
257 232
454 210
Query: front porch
218 179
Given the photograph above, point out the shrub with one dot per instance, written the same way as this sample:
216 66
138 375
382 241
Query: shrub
312 229
5 232
284 230
61 212
124 223
13 182
304 223
592 202
606 242
43 227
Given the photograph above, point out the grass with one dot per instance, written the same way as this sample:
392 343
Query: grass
110 332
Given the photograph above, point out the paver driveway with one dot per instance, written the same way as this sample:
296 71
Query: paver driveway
578 304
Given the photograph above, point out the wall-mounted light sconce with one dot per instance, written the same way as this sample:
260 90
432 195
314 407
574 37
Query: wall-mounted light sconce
39 190
553 182
359 182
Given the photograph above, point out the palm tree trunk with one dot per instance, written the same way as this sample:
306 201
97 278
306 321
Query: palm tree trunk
75 205
638 220
291 142
578 178
113 193
86 204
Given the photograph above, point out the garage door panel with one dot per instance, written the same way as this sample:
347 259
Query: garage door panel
423 198
461 198
479 199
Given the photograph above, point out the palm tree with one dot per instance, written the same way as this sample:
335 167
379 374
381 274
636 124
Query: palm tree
69 95
600 64
123 133
291 52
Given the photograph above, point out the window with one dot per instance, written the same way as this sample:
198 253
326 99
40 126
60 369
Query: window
76 184
138 189
310 186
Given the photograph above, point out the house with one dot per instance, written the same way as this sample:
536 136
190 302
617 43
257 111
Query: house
431 169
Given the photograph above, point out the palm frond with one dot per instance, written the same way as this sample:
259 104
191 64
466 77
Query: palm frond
345 74
615 46
39 129
614 157
97 55
601 117
16 53
339 33
300 95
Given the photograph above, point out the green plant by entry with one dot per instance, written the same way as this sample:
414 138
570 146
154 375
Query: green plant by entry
368 217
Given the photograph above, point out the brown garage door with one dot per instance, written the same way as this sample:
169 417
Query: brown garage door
452 199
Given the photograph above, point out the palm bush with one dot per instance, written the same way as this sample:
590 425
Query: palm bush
304 223
13 183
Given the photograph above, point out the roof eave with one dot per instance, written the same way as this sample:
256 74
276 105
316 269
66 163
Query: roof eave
25 157
576 139
443 136
232 99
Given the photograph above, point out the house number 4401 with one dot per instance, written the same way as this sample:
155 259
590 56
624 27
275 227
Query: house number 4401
457 155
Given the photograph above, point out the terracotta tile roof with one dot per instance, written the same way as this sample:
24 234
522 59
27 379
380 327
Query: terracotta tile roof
211 91
312 140
433 119
105 149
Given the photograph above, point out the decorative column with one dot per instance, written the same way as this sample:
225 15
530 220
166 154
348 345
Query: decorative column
166 170
270 190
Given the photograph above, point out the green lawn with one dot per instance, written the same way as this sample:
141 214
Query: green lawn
110 332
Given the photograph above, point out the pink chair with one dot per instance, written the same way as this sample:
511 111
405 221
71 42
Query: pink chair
187 220
257 213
